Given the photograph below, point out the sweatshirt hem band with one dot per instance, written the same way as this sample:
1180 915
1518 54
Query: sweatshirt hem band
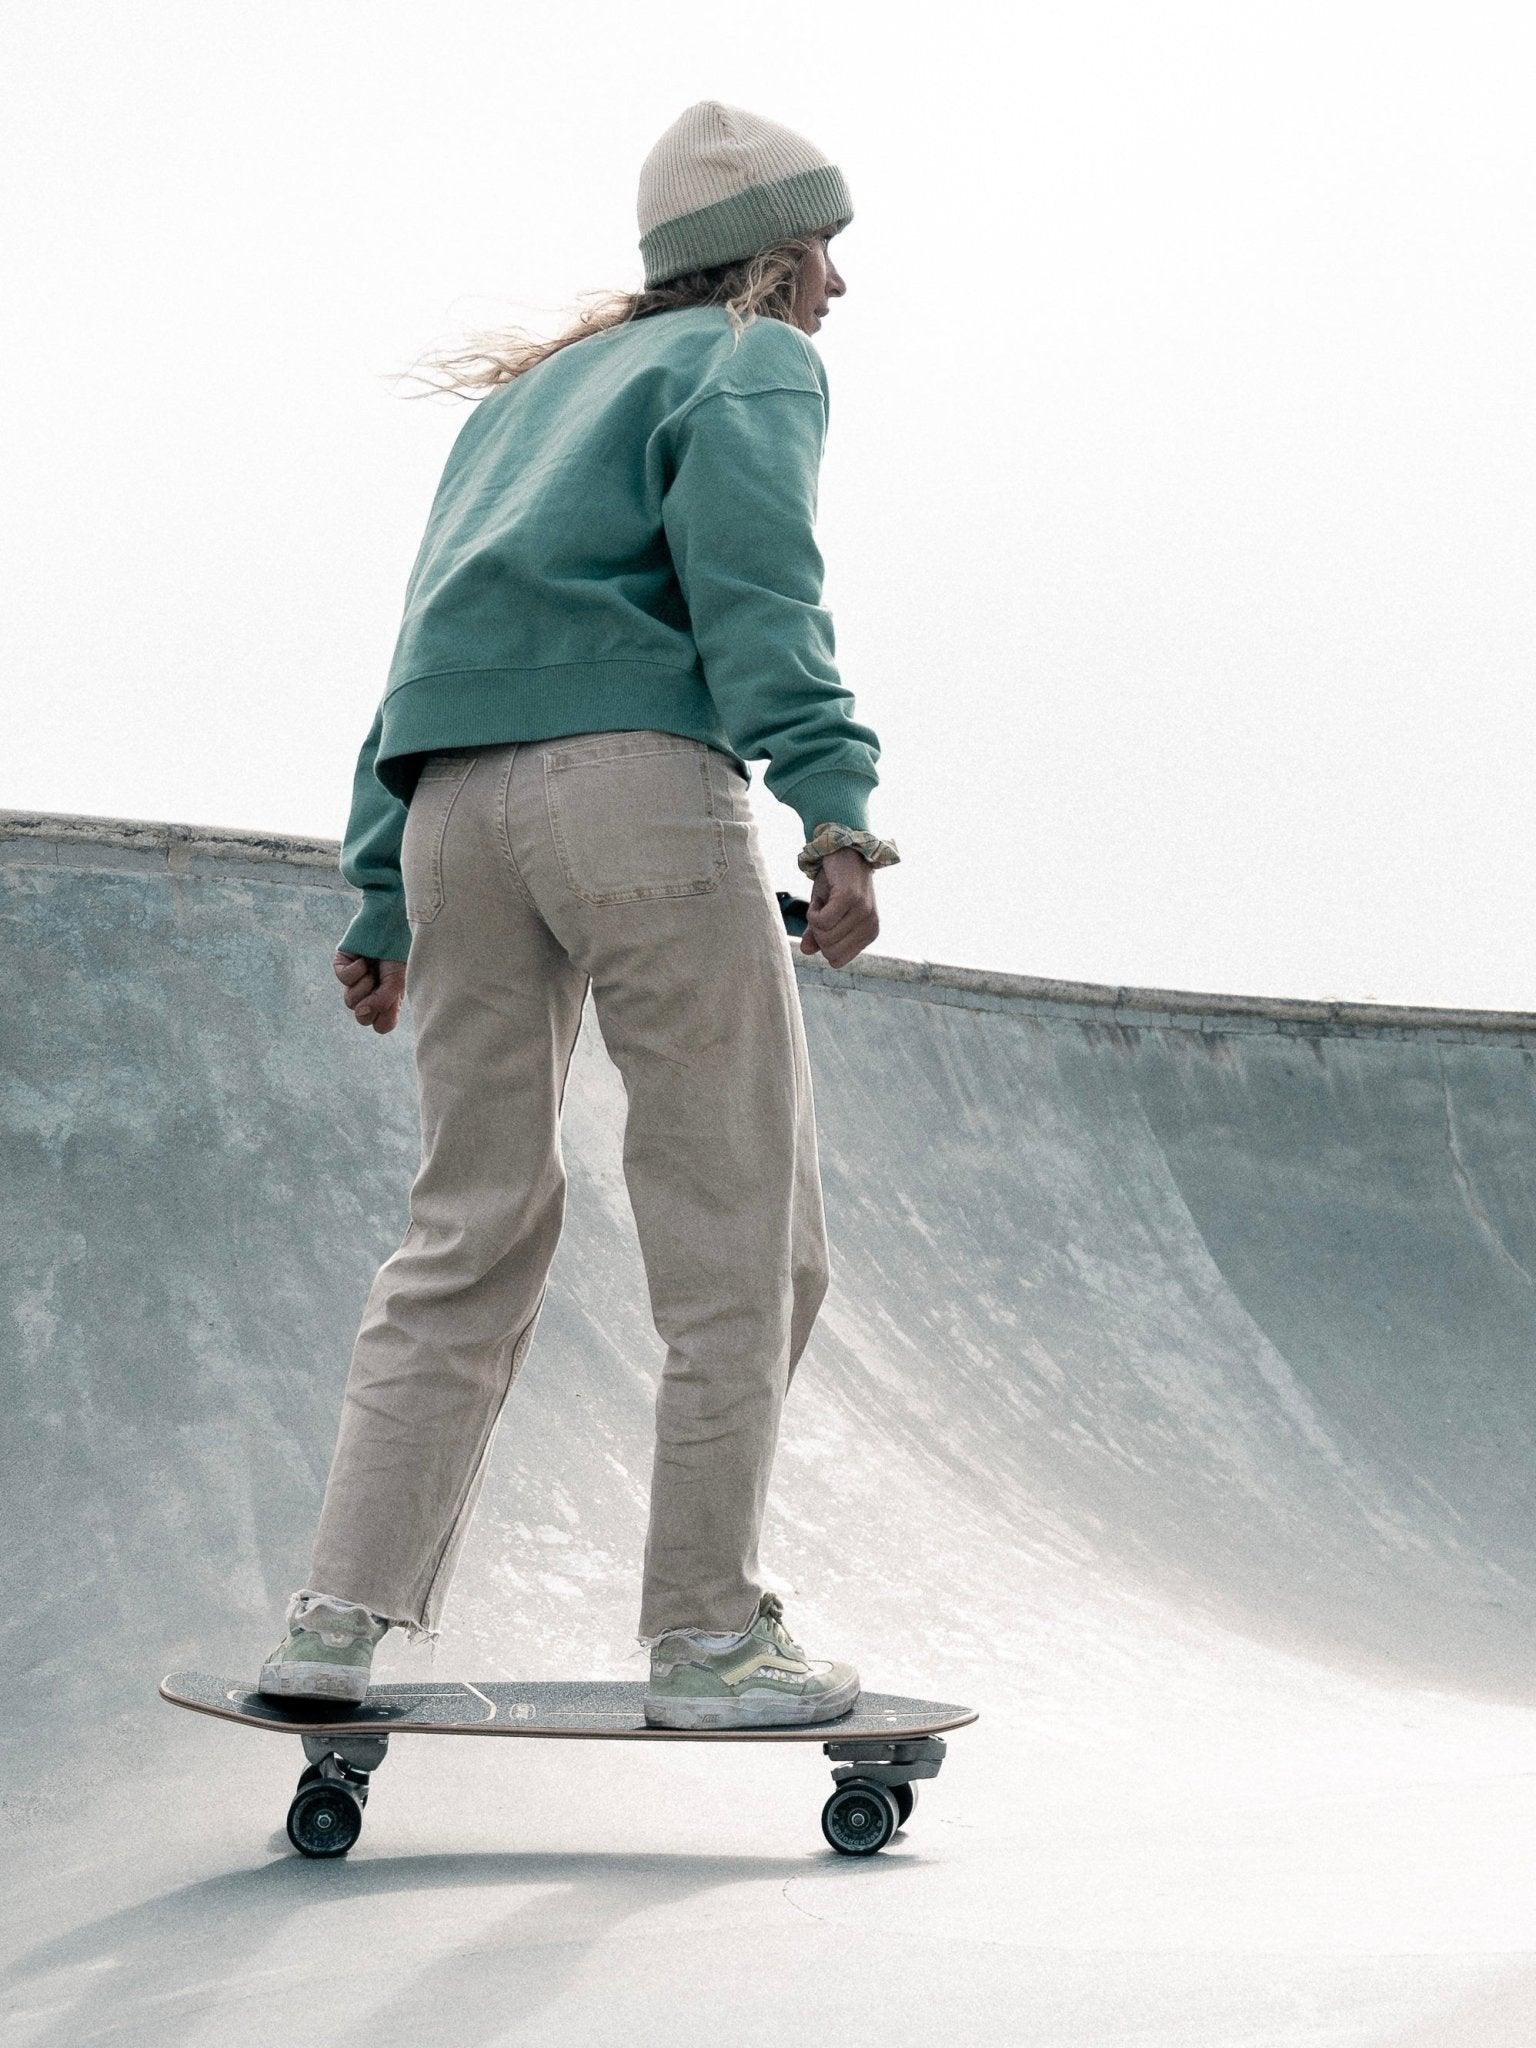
488 707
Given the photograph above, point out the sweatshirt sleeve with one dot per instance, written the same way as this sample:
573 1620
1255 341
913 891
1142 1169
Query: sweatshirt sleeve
370 860
739 516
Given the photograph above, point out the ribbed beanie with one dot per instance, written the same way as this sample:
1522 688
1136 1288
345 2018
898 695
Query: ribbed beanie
722 184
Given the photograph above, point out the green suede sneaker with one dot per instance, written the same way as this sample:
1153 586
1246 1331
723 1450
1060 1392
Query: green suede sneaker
327 1653
762 1680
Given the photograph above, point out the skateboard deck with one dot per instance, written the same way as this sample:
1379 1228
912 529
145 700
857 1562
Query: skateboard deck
882 1745
537 1707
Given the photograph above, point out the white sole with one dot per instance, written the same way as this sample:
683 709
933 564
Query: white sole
754 1710
312 1682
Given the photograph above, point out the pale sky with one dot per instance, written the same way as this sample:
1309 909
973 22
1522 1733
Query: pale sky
1178 496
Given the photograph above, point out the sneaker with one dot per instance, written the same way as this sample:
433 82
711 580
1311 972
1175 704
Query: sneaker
763 1680
327 1652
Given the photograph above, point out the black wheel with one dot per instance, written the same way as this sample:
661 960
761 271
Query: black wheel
325 1818
906 1798
859 1818
308 1775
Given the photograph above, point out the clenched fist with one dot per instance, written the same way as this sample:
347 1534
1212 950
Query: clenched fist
842 919
372 989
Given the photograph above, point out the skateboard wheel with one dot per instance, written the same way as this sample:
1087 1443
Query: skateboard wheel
859 1818
905 1797
325 1818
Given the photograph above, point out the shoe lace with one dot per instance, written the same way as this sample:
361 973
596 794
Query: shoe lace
771 1610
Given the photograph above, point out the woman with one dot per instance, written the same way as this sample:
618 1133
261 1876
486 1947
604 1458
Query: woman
616 602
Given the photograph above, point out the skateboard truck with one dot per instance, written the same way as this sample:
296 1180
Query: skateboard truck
359 1752
876 1789
326 1816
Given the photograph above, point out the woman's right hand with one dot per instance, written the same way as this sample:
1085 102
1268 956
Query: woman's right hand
372 989
842 919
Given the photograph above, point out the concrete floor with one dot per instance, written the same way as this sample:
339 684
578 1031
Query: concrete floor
1173 1405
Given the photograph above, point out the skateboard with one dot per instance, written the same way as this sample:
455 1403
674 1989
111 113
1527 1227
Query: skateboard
879 1748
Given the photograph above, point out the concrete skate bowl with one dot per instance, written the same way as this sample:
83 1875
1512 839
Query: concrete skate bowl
1174 1404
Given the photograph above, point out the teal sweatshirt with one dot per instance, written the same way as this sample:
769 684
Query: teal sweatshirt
623 537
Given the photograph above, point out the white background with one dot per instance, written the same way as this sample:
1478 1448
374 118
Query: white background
1178 498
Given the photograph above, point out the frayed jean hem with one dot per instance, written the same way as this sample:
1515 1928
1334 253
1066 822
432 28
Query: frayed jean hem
349 1610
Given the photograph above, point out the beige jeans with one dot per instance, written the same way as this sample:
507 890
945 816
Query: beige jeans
628 861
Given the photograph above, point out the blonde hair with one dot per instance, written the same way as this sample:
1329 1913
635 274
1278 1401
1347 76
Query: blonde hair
750 288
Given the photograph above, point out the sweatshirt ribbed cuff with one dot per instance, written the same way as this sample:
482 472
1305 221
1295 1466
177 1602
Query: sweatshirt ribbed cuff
830 799
380 930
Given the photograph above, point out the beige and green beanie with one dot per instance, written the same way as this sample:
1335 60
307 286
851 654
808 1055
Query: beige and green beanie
722 184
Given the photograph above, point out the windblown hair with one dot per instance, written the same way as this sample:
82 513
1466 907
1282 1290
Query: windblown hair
749 288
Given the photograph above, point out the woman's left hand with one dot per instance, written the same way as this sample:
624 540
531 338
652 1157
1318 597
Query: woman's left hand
372 989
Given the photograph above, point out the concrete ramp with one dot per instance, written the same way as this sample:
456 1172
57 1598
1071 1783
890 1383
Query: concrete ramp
1174 1404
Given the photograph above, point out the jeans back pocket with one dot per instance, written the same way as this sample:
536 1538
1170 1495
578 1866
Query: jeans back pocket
635 815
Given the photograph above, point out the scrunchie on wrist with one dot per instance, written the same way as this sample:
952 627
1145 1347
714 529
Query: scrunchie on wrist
829 838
